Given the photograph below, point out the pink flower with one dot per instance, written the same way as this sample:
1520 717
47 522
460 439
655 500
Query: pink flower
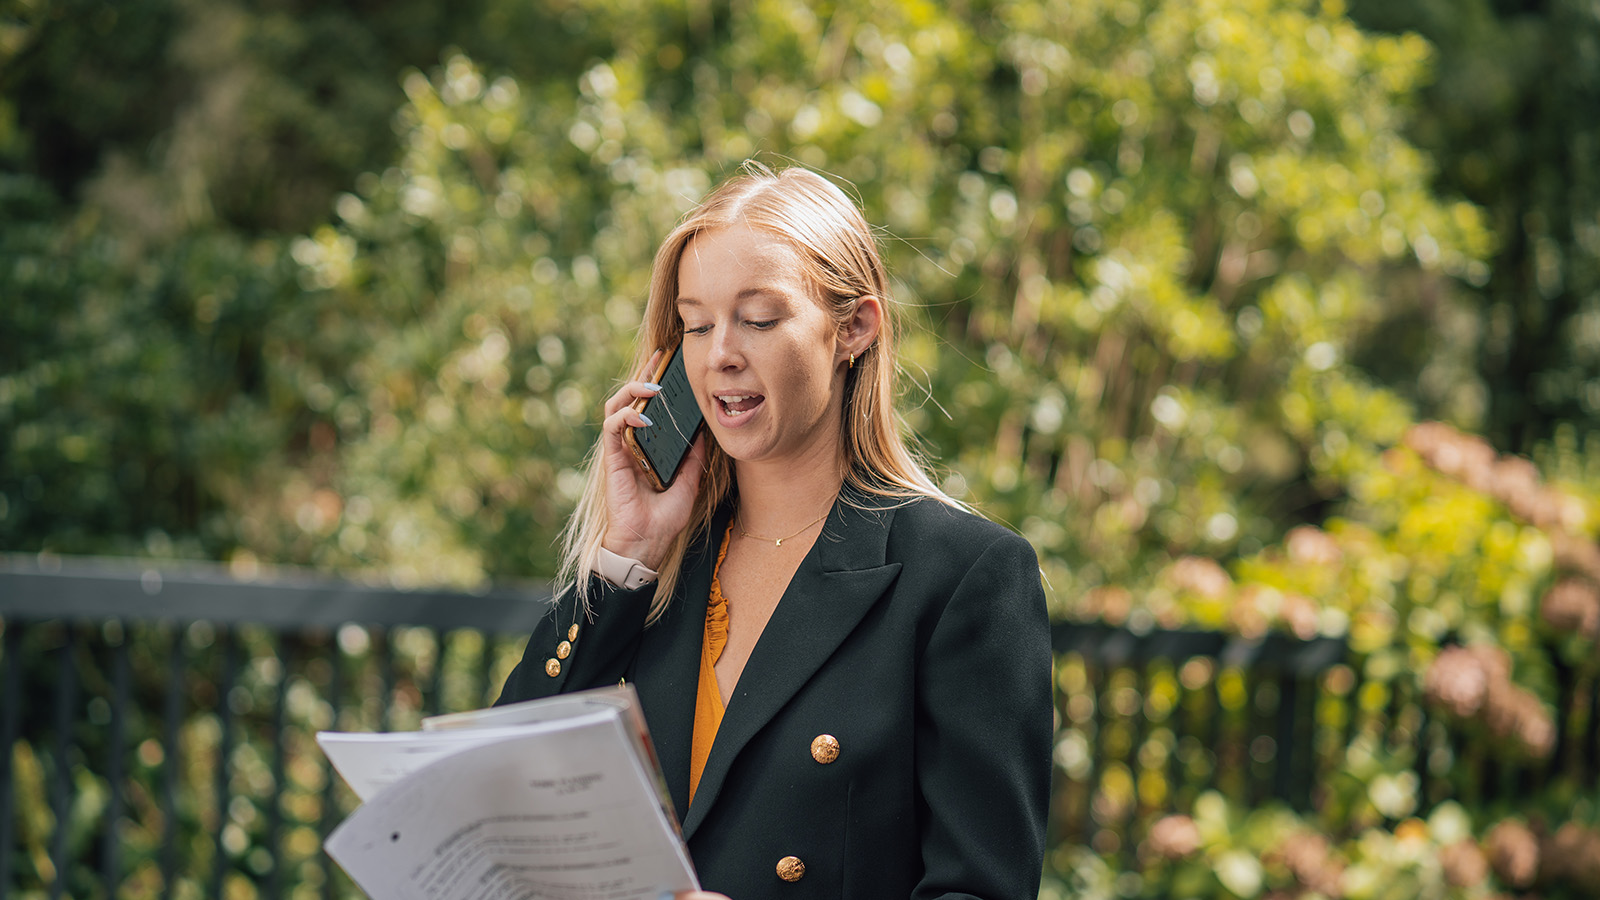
1172 838
1200 575
1311 546
1513 853
1572 604
1513 477
1457 681
1464 864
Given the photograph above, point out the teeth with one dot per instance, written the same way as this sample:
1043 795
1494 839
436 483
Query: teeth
728 400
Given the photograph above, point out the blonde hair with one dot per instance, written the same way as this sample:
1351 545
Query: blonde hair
841 259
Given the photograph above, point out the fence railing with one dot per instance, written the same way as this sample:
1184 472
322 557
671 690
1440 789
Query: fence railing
160 721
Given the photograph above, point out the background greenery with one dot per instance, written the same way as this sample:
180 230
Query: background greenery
343 286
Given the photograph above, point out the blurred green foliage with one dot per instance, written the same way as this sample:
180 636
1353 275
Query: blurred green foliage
1174 229
1462 732
1512 118
1168 228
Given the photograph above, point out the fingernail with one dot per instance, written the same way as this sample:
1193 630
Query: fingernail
646 420
666 895
651 385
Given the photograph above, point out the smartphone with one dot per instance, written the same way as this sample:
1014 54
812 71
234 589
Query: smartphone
661 447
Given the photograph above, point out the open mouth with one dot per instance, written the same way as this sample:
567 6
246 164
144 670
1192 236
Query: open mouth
736 405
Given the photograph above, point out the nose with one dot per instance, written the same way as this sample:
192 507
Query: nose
725 354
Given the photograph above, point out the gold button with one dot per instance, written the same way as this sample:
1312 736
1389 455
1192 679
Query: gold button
790 868
563 650
572 633
552 667
825 748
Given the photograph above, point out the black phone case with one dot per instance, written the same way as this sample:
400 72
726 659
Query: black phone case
676 417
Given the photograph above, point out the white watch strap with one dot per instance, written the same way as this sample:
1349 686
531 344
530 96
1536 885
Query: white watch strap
623 571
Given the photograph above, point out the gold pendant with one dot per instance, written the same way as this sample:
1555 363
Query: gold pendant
779 542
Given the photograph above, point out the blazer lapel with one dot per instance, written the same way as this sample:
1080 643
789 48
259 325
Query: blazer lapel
670 652
840 579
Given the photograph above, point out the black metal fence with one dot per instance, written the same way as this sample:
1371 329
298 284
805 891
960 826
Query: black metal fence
1336 736
1151 720
160 721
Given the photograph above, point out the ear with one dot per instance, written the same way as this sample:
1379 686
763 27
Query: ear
861 329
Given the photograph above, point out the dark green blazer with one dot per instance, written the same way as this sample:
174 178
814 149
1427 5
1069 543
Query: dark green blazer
917 637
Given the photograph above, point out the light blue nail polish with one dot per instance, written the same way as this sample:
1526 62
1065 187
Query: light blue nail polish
646 420
666 895
652 385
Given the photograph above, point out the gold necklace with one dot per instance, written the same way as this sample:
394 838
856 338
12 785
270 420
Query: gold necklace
779 541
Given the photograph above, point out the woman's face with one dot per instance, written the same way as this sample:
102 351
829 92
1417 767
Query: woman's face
762 355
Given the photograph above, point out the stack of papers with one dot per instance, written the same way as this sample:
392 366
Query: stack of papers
554 799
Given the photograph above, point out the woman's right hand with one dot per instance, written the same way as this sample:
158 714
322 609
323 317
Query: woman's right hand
642 522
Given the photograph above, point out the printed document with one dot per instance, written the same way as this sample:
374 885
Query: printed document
557 799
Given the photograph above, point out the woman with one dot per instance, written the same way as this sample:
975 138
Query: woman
846 675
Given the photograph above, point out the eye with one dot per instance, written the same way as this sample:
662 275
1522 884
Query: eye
697 329
762 324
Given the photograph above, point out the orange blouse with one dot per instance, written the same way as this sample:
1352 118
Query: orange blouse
708 707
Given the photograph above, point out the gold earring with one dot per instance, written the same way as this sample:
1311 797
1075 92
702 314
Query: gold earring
852 360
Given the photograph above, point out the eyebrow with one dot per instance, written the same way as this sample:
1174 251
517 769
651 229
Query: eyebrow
747 293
